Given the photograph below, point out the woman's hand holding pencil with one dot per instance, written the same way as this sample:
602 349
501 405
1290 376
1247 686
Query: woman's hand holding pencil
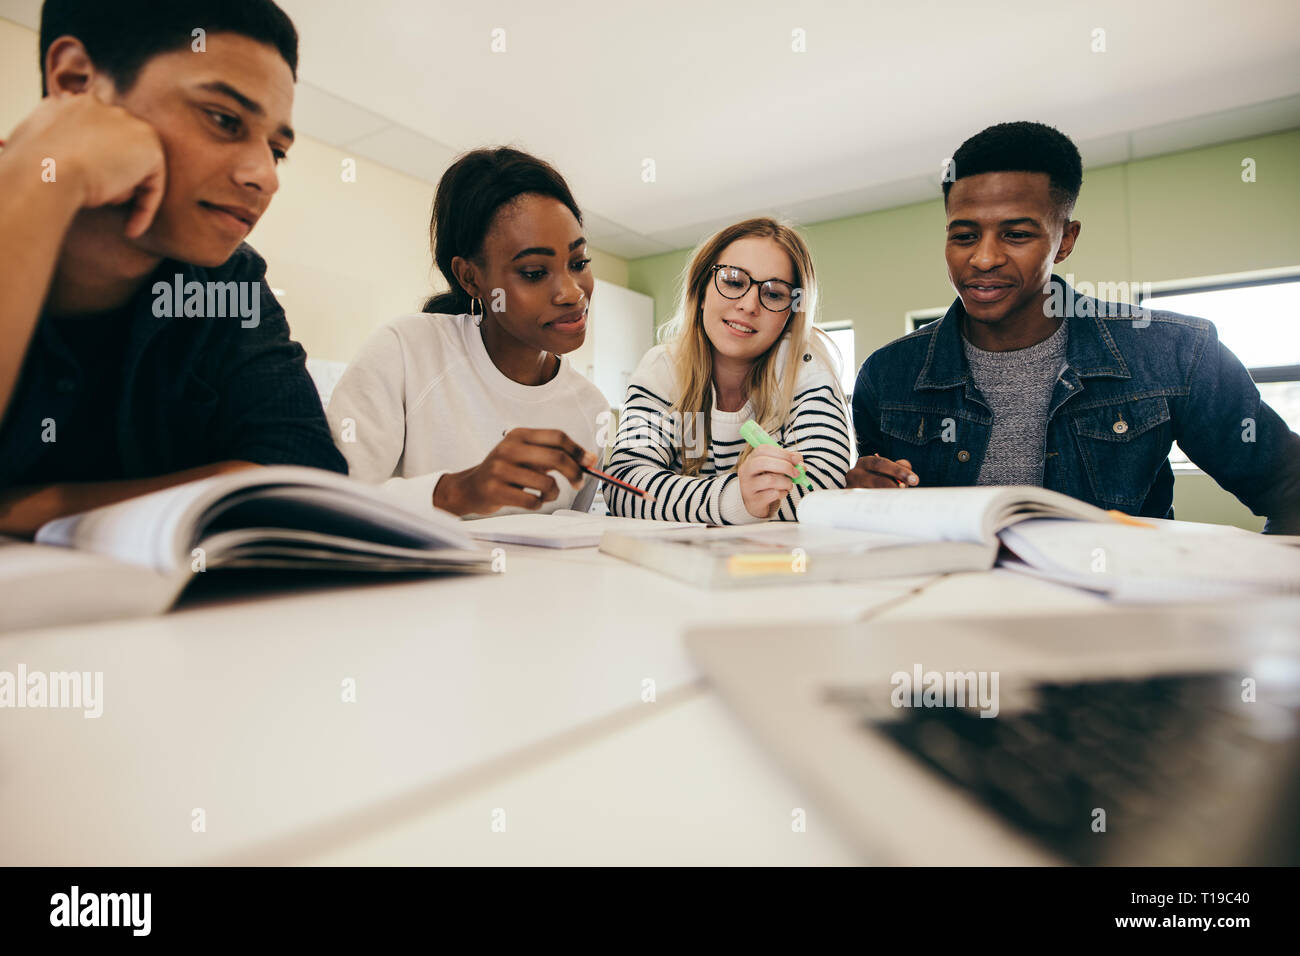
516 473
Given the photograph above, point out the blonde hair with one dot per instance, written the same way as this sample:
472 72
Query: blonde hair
769 389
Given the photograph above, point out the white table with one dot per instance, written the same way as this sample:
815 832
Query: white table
520 693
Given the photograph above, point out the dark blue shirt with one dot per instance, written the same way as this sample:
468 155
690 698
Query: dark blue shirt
1131 387
141 391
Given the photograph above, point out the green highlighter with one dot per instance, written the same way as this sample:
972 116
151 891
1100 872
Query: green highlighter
753 433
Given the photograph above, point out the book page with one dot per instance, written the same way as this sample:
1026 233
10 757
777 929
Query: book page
159 530
246 542
1117 558
1023 502
780 537
935 514
975 513
143 531
562 528
360 512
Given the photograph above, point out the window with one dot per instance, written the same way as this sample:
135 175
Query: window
919 317
1259 321
841 333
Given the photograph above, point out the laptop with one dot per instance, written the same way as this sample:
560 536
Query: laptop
1142 736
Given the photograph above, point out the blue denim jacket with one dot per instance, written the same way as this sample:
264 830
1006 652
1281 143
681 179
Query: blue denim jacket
1133 384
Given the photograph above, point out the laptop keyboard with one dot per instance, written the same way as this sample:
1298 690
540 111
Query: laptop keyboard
1184 770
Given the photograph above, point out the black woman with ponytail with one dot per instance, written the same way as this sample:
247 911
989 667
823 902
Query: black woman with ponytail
469 405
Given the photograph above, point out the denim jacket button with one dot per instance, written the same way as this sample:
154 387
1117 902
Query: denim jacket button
1119 428
963 455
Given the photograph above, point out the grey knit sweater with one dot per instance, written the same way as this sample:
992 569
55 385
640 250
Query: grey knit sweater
1017 386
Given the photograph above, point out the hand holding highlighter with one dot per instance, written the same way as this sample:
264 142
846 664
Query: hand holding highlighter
753 433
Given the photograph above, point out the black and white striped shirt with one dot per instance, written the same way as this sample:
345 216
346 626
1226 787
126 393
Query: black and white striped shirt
647 450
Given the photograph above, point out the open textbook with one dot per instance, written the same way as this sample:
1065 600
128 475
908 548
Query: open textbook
135 557
850 534
1060 538
1178 560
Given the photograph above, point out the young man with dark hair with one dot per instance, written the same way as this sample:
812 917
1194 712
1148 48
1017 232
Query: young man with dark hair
141 345
1024 381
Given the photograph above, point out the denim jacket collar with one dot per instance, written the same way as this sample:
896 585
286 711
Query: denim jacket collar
1090 350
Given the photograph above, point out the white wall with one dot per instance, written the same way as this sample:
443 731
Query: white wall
620 331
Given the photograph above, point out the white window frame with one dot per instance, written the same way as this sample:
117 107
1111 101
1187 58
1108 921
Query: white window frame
839 325
913 319
1241 280
1236 280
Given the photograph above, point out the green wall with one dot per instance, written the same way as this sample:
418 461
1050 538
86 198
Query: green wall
1179 216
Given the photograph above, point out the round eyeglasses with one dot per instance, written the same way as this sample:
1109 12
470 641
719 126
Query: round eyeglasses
733 282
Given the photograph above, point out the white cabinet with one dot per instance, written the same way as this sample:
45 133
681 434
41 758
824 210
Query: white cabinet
620 329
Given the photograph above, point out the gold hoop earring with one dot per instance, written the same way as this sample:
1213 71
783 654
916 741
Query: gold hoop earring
476 316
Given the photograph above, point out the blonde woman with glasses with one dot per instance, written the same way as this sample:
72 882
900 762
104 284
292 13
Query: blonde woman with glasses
741 346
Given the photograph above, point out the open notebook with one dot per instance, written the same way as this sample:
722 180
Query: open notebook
851 534
135 557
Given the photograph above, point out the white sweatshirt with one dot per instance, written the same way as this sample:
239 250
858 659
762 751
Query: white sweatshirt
422 398
646 453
